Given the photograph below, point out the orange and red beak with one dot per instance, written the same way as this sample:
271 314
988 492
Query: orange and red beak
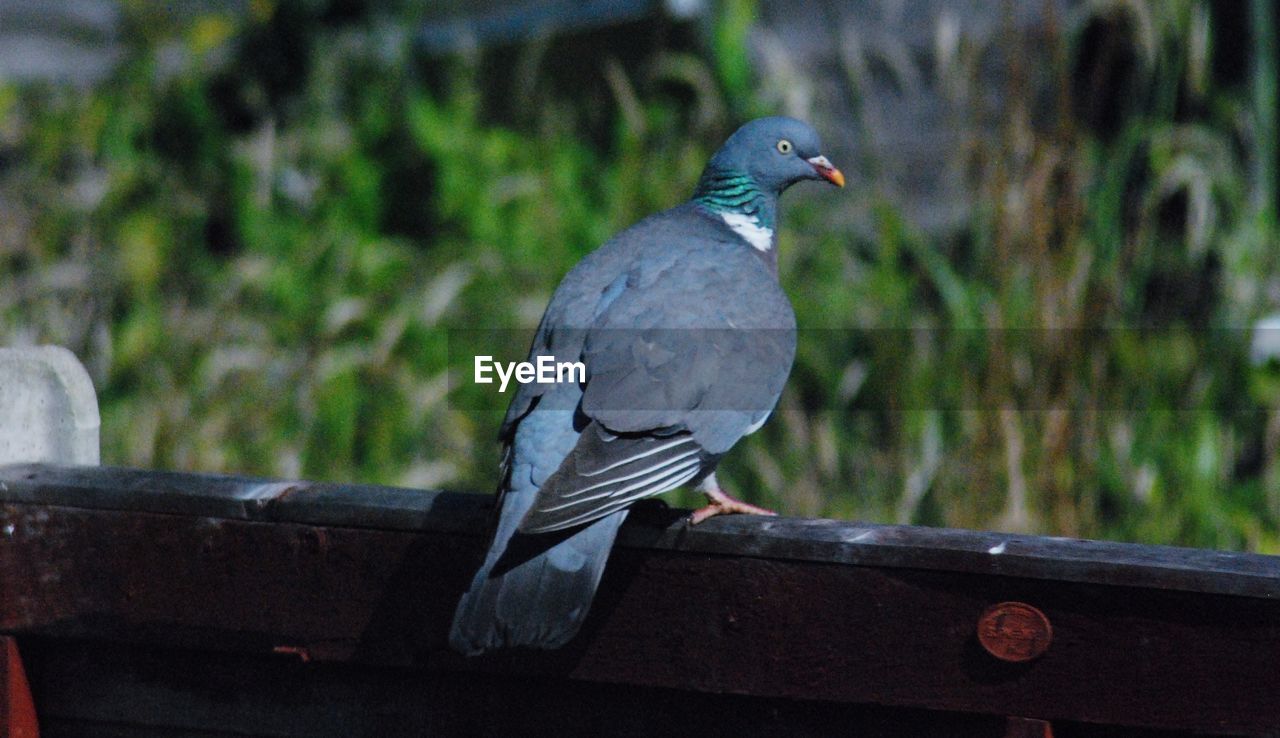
825 170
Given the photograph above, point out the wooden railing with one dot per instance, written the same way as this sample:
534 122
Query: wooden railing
156 603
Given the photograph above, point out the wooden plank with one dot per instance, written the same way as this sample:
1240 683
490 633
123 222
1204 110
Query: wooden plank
893 636
830 541
241 498
93 689
786 629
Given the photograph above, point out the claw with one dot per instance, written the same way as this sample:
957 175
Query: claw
721 503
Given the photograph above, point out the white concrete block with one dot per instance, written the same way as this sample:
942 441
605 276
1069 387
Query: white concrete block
1265 343
48 410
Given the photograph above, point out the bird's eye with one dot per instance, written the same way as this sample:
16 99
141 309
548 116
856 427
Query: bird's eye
784 146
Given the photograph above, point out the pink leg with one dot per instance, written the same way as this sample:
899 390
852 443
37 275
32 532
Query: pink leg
722 503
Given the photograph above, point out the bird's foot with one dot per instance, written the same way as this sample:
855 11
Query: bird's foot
722 503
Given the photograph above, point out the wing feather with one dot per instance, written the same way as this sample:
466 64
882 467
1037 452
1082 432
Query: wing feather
606 472
665 485
666 462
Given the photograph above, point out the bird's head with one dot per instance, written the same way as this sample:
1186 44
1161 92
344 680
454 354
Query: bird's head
776 152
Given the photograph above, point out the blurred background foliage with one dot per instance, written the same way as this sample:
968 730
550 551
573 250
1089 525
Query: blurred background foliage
259 230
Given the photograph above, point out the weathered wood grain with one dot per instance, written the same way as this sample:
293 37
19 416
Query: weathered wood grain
363 580
831 541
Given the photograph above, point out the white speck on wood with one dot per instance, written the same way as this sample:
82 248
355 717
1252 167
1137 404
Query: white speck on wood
268 491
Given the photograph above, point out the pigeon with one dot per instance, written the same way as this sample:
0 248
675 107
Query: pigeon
687 340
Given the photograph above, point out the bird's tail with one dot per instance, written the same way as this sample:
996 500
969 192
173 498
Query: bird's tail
537 596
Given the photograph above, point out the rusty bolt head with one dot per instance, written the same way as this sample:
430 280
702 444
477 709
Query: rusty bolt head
1014 631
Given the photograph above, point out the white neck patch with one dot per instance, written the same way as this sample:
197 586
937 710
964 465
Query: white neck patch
749 228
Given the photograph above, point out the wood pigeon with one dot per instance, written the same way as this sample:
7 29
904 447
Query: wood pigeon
687 339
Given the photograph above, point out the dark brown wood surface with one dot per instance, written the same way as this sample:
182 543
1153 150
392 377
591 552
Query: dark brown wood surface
833 616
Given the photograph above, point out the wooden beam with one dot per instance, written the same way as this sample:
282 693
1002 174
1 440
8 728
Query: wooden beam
825 612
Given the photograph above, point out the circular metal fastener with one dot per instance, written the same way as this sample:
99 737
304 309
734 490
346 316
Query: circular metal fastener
1014 631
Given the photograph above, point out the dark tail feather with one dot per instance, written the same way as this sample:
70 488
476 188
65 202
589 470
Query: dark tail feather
539 595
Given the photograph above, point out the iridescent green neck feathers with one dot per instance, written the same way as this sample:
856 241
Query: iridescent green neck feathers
723 191
739 201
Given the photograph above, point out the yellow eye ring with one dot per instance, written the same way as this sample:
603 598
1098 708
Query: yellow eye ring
784 146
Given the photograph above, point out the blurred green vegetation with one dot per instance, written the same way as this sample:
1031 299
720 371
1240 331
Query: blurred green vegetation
258 232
